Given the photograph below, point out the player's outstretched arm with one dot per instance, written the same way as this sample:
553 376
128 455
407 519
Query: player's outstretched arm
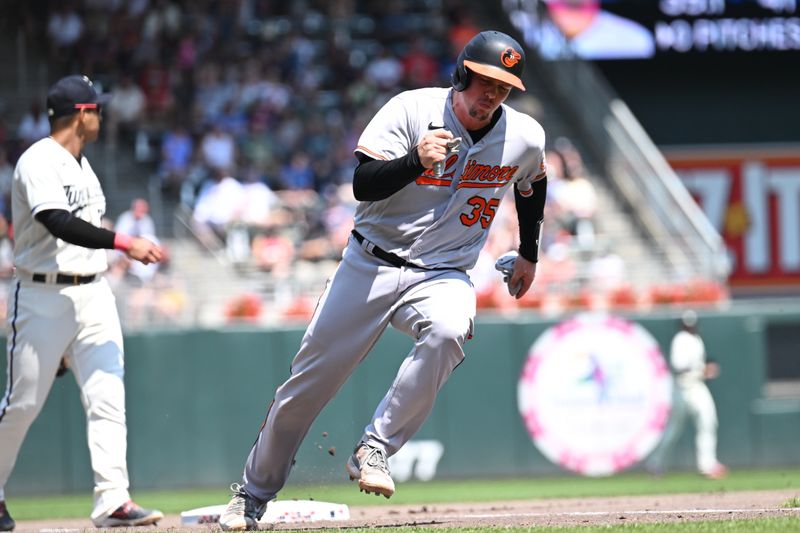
63 225
144 250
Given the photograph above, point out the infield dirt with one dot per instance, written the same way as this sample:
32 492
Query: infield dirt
672 508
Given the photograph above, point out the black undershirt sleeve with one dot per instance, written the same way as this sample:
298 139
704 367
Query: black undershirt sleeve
61 224
530 213
375 179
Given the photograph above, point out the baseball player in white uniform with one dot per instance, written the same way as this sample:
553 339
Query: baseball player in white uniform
692 398
434 164
688 360
62 312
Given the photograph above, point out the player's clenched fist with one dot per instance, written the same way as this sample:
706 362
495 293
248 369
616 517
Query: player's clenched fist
433 147
144 251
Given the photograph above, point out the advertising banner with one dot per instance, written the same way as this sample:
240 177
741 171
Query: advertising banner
752 196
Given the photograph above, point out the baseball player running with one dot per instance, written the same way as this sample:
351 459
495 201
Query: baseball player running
434 164
60 305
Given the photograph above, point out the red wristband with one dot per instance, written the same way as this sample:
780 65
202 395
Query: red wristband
122 242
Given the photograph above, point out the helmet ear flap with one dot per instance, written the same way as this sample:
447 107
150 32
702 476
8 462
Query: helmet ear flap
461 75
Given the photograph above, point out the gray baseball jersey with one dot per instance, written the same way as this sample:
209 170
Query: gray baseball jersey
444 221
439 222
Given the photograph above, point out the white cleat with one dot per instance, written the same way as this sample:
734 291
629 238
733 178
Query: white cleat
369 466
243 511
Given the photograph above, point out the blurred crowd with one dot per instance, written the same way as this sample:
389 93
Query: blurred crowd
248 111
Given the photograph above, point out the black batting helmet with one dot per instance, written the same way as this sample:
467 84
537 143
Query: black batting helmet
492 54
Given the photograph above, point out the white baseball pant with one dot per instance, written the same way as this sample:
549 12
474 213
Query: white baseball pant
46 322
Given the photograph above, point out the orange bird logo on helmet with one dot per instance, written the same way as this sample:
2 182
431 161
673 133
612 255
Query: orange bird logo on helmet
510 57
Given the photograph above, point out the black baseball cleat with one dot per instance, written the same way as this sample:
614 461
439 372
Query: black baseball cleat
6 522
130 515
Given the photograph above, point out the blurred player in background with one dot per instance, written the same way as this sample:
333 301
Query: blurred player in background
62 313
692 368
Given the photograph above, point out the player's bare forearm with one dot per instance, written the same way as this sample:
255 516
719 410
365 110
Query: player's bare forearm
144 251
524 274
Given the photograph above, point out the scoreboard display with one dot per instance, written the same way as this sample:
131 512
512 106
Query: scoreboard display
709 26
606 30
692 71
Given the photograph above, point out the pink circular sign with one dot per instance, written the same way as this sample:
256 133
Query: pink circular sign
595 394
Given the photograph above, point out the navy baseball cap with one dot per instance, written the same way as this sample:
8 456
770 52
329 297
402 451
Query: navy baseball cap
71 94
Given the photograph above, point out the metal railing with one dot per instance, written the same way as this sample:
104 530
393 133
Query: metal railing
660 199
639 172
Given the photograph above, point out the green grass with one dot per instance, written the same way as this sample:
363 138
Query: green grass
792 503
175 501
768 525
553 487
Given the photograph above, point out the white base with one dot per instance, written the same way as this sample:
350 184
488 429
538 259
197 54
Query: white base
278 512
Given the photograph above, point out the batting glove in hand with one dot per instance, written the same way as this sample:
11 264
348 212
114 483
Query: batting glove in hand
505 264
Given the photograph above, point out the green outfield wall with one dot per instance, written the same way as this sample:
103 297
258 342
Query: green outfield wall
196 400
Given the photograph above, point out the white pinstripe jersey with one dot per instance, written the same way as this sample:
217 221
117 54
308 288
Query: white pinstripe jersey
48 177
444 222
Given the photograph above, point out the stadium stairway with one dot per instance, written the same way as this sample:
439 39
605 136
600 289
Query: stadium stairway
614 227
208 280
216 282
23 75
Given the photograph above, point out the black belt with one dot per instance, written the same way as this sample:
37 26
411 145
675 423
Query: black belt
380 253
392 259
66 279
